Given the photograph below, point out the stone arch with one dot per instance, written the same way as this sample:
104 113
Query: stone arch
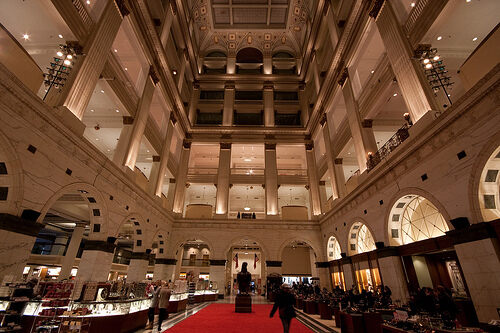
98 210
249 55
411 191
175 245
359 222
477 190
238 239
326 244
11 178
317 251
137 222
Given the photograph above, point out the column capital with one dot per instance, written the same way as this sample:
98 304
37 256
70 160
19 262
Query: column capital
218 262
156 158
127 120
225 145
322 121
173 119
153 75
309 146
343 76
271 263
367 123
322 183
270 146
186 144
171 180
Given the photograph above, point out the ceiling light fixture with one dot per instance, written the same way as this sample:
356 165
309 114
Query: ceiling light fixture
102 91
60 36
412 4
474 39
126 68
372 72
26 36
59 54
92 110
395 94
67 62
247 208
428 66
174 72
88 2
116 50
468 0
439 37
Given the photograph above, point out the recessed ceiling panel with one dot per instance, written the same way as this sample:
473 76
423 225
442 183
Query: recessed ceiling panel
250 15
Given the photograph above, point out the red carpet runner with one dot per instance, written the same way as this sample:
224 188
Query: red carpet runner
221 318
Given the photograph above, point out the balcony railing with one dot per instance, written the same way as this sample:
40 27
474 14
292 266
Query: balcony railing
196 263
292 172
202 171
401 135
247 171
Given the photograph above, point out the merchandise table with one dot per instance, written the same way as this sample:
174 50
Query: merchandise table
392 329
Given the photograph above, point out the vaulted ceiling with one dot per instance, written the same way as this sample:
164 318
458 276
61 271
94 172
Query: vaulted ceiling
268 25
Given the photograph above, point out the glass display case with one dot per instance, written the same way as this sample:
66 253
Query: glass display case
175 297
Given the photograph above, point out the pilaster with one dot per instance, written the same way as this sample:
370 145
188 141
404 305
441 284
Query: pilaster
227 115
312 175
271 178
71 252
268 104
180 188
223 174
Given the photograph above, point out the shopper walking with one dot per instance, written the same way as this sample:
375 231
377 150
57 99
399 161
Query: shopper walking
285 302
164 296
155 291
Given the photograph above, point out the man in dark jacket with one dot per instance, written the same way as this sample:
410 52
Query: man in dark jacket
285 302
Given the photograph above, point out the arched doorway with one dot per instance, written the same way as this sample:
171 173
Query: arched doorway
193 263
299 263
249 251
489 188
414 218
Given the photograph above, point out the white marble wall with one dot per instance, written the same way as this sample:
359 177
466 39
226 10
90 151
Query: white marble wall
218 274
14 253
481 267
164 272
137 270
391 270
94 266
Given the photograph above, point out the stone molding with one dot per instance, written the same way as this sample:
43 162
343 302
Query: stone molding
98 245
218 262
165 261
270 263
19 225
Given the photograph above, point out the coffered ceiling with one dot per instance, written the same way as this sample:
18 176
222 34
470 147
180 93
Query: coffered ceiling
268 25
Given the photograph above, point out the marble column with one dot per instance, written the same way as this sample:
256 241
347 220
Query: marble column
392 273
268 64
231 64
180 188
218 274
223 175
304 105
227 115
170 11
349 277
121 147
69 259
17 237
77 95
138 267
479 259
323 195
268 104
315 72
361 130
164 269
339 177
96 261
171 193
312 175
183 59
273 267
329 156
411 80
133 141
271 178
193 103
158 174
323 269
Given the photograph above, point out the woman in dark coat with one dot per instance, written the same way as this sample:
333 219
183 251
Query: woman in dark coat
285 302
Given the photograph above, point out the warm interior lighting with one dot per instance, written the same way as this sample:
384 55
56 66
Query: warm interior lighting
428 66
69 56
395 94
436 58
439 37
426 61
67 62
116 50
117 110
26 36
60 36
247 160
247 208
59 54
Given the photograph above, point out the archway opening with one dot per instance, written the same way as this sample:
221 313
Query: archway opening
489 188
299 264
413 218
249 251
193 265
360 239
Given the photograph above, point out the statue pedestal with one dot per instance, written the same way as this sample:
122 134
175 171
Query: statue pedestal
243 304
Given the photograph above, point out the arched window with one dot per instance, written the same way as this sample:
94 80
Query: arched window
360 239
414 218
333 249
249 55
216 54
489 188
282 55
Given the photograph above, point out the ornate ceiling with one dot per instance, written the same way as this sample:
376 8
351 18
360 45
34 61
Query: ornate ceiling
268 25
